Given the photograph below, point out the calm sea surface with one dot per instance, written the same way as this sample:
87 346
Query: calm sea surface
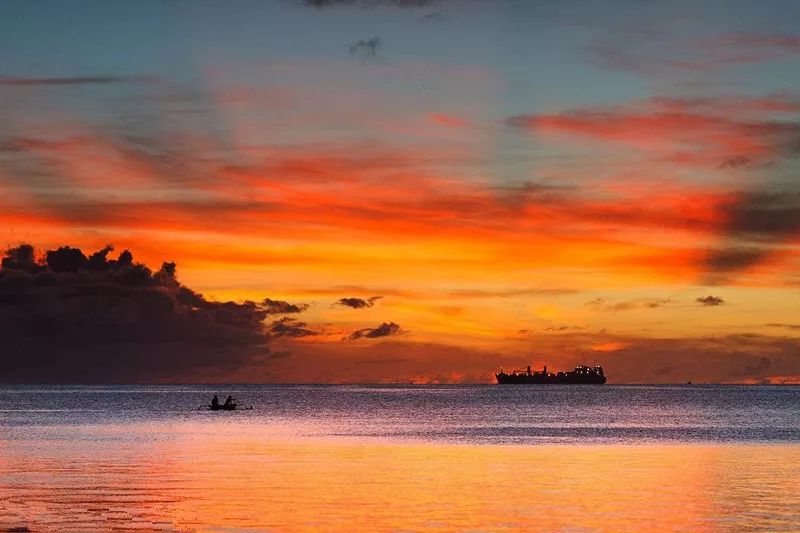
401 458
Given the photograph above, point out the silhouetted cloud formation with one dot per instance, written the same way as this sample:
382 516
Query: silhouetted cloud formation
386 329
279 307
20 258
710 301
290 327
70 318
366 48
358 303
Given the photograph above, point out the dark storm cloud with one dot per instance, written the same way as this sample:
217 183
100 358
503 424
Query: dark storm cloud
72 318
365 48
358 303
73 80
279 307
710 301
386 329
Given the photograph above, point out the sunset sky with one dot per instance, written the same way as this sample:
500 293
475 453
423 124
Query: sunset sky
425 190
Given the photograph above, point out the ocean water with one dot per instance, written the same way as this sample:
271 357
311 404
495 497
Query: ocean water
401 458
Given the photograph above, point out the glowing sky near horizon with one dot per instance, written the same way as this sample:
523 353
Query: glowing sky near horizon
543 182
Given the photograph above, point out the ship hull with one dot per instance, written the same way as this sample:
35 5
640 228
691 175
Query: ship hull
538 379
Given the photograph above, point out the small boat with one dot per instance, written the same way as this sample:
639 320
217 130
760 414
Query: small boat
231 407
222 407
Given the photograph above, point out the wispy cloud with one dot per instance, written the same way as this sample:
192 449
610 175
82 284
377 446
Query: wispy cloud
786 326
644 303
704 132
664 54
72 80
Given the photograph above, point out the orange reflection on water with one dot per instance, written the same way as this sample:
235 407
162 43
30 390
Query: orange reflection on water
204 481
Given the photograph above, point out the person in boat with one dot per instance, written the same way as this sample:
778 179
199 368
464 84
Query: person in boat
229 402
215 402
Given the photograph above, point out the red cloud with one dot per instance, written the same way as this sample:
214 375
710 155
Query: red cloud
451 121
691 131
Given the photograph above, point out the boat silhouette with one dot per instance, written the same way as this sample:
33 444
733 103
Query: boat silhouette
231 407
582 375
223 407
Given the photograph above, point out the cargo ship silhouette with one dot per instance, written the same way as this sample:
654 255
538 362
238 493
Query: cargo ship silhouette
582 375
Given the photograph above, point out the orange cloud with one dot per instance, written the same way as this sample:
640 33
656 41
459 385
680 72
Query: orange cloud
608 347
291 197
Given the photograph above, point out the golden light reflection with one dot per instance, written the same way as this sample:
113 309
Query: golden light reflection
261 481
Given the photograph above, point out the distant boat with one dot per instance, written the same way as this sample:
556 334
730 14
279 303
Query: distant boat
582 375
223 407
231 407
